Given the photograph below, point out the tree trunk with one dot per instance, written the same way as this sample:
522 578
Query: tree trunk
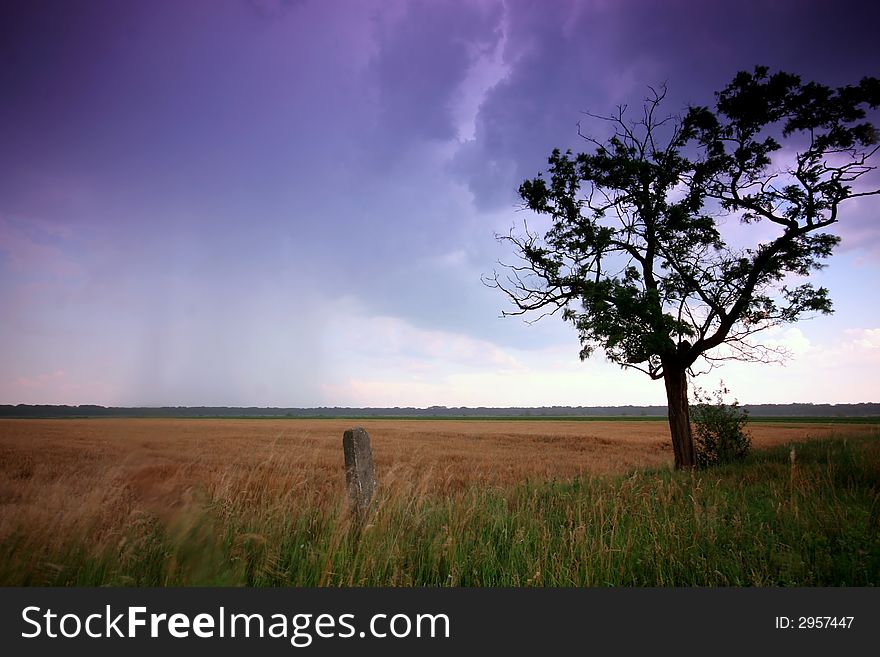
675 379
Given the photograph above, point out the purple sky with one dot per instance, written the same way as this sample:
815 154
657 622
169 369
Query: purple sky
291 202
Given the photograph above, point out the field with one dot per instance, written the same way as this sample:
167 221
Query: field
262 502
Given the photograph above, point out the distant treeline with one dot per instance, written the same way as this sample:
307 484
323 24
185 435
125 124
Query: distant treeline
756 410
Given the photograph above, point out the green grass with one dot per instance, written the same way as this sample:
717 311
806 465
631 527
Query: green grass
761 523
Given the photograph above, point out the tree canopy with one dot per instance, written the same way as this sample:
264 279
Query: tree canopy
635 256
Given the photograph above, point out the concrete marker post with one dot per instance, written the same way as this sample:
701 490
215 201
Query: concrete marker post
360 474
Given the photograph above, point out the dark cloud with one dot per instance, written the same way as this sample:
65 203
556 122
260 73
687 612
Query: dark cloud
565 58
422 59
273 9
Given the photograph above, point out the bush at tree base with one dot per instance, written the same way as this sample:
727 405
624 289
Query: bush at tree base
720 435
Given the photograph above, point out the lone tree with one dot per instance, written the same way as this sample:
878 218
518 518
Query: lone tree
634 257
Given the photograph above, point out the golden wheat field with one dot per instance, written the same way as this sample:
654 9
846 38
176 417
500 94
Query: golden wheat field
64 473
169 501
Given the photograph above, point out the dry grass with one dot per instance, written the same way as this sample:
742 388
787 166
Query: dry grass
94 475
107 485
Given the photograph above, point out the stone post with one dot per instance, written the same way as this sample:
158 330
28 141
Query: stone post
360 475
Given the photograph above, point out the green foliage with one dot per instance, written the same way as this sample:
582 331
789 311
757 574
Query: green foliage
720 435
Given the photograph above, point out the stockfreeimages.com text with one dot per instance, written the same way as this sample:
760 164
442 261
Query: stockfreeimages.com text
300 629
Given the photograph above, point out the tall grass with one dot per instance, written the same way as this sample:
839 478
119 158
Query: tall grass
765 523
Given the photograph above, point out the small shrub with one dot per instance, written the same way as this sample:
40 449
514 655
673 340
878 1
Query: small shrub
720 435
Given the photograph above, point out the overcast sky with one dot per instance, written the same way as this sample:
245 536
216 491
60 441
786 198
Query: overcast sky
292 202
